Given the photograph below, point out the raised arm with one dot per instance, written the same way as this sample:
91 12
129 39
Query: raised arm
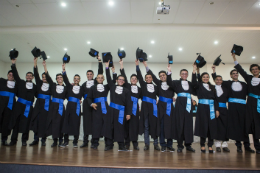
65 77
194 78
108 76
36 73
100 66
214 75
240 69
114 74
48 78
15 73
139 74
169 77
122 70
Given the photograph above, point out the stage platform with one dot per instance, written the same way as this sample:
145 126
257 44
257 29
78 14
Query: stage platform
18 156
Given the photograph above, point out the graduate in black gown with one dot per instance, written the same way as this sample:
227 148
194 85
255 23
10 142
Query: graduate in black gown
87 110
149 123
22 110
71 123
222 120
120 107
132 126
253 101
56 113
194 107
183 114
207 112
165 109
237 91
8 90
41 107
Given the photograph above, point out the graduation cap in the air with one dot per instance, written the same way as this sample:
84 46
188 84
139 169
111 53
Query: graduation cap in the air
218 61
13 54
66 58
106 56
36 52
170 58
200 61
121 53
143 57
237 50
93 53
139 53
43 56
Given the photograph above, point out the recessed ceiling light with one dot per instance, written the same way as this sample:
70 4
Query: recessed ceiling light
180 49
150 56
121 48
111 3
48 56
63 4
216 42
152 42
259 3
253 57
160 3
65 49
211 3
88 42
17 5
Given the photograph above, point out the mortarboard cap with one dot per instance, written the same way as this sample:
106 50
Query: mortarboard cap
121 53
66 58
43 56
143 57
139 53
93 53
237 50
218 61
200 61
170 58
106 57
36 52
13 54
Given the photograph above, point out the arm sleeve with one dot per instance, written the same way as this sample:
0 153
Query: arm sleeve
66 80
216 104
109 80
139 75
194 81
15 73
242 72
169 81
122 71
90 96
114 77
48 78
198 77
100 68
155 79
128 103
36 75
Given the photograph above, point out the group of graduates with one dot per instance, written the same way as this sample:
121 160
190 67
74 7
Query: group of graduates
120 120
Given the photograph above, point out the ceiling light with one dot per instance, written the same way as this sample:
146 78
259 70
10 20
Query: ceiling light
253 57
48 56
152 42
88 42
180 49
150 56
63 4
216 42
160 3
259 3
211 3
121 48
111 3
65 49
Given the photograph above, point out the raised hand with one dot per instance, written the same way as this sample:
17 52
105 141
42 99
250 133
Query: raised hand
13 60
113 69
107 63
136 62
194 68
63 67
145 63
98 57
169 68
44 63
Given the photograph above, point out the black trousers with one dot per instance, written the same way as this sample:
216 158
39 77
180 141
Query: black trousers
247 142
95 141
203 140
109 142
75 141
36 138
4 138
15 133
127 138
85 139
55 140
180 142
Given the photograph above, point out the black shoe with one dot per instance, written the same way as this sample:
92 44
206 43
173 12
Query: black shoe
43 144
248 149
203 151
136 148
170 149
218 149
34 143
75 145
12 143
257 151
211 151
24 143
54 144
163 149
93 146
4 143
146 147
108 148
239 150
84 145
179 150
60 144
127 147
65 144
122 148
190 149
156 147
225 149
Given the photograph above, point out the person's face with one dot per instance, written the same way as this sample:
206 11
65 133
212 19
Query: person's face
148 78
120 81
184 75
234 75
90 75
194 103
205 78
255 71
163 77
76 80
44 78
29 77
218 80
100 79
10 76
133 80
59 79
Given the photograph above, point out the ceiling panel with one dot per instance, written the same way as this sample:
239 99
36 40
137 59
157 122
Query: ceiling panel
142 12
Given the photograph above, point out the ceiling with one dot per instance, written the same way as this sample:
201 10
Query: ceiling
193 25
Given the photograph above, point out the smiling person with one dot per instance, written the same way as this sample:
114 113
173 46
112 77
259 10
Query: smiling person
8 90
71 123
222 120
182 115
237 92
21 116
41 108
253 101
207 112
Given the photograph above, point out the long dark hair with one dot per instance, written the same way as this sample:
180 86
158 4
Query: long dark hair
212 87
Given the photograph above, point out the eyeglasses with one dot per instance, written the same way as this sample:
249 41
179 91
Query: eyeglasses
121 79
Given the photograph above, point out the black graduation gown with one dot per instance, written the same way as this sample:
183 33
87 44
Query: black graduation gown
147 109
222 120
19 108
71 123
39 115
5 112
162 107
182 119
252 116
54 119
236 111
134 121
203 121
101 122
87 110
123 99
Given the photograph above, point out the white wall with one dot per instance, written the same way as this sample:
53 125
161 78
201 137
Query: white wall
3 72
